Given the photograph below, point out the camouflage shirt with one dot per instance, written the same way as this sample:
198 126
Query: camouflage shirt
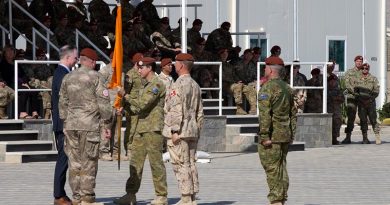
368 86
132 85
6 96
84 100
150 106
351 78
184 109
277 113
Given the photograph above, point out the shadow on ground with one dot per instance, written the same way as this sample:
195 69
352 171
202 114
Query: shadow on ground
109 201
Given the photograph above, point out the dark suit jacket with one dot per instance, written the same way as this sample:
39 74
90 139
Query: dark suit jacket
59 74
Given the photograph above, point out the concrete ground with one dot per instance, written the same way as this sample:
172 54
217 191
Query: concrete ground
345 174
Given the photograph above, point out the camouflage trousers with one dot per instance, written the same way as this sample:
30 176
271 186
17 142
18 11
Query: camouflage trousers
240 89
82 149
369 112
273 160
351 114
183 159
46 102
147 144
337 120
3 113
105 144
131 124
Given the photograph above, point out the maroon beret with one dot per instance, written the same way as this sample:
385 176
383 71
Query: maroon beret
184 57
137 57
90 53
275 49
146 61
165 61
358 58
366 65
274 60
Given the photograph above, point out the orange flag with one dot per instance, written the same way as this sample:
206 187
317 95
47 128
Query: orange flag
117 59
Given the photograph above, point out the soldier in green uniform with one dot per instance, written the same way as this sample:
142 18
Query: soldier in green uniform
351 78
148 140
277 119
366 92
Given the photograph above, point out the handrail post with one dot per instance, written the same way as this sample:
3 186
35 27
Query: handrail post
34 48
258 74
16 90
47 43
11 40
220 90
324 90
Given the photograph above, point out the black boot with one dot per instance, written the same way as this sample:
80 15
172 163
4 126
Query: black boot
347 139
365 139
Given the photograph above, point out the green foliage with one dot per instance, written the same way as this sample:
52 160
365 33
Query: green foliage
384 112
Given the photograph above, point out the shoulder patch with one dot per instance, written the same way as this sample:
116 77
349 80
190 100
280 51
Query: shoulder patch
155 90
105 93
263 97
173 93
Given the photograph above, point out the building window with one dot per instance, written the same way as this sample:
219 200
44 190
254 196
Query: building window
262 43
336 52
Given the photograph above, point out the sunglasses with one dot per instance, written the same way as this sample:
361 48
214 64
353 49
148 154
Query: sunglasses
366 69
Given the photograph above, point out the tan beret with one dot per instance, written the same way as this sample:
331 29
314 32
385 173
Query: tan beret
274 60
165 61
146 61
184 57
90 53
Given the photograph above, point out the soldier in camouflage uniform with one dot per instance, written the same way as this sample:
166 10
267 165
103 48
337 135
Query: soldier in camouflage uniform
100 11
84 102
299 94
219 38
313 102
59 10
183 123
193 34
227 76
277 122
62 30
200 54
164 40
244 84
148 140
165 75
366 92
335 99
351 78
6 96
149 14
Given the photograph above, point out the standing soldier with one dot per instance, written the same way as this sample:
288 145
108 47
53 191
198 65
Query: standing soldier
277 122
165 75
351 78
84 102
183 123
366 92
6 96
335 99
148 140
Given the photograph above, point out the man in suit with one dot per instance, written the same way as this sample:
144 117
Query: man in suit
68 58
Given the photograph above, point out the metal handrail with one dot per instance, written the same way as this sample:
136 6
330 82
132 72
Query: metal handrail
78 33
48 32
3 32
48 42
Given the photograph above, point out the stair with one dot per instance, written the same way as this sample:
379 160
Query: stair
21 146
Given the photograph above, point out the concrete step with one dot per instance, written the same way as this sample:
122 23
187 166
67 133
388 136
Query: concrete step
30 156
214 110
246 128
211 102
27 145
11 124
18 135
242 119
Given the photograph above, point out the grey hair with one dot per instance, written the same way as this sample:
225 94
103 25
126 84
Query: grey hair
188 64
277 68
66 50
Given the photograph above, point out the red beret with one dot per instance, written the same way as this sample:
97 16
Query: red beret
146 61
197 22
274 60
184 57
358 58
315 71
90 53
137 57
165 61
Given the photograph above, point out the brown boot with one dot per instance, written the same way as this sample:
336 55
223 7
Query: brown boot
185 200
159 200
240 110
378 139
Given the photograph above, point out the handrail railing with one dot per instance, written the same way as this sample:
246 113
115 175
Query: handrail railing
78 33
4 31
49 43
12 2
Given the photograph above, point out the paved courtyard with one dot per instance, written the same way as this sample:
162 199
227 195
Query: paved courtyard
352 174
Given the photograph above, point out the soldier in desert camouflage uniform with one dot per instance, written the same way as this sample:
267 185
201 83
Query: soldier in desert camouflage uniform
83 103
277 121
148 140
165 75
6 96
366 91
183 123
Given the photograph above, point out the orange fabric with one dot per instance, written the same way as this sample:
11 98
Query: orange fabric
117 59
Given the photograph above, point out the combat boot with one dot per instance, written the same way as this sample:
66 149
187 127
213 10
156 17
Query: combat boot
127 199
276 203
94 203
347 139
159 200
193 198
185 200
240 110
365 138
378 139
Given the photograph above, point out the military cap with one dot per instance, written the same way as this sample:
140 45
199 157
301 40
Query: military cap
137 57
274 60
165 20
197 22
366 65
90 53
358 58
315 71
184 57
146 61
165 61
275 49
